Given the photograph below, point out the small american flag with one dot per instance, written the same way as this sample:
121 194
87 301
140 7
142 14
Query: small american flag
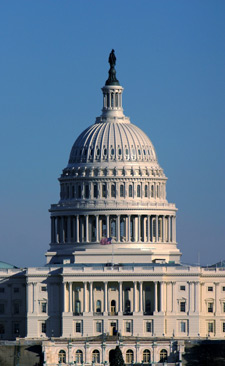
106 241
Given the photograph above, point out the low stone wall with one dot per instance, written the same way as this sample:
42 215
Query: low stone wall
21 353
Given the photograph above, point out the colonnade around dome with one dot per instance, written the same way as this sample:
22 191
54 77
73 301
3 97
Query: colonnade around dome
124 228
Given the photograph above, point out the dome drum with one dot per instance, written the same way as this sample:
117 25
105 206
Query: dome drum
113 188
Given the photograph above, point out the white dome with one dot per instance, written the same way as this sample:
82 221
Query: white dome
112 141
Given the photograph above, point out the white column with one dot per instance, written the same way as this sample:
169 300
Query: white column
118 228
174 229
91 297
151 228
169 227
106 297
120 297
85 297
148 225
29 297
68 229
161 296
87 228
141 296
157 228
197 297
128 228
134 296
64 297
77 228
61 232
97 227
107 226
217 310
163 229
35 298
139 228
156 296
173 297
70 297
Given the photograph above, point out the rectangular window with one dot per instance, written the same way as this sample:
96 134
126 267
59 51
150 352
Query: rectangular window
128 327
86 191
223 327
130 190
210 327
183 327
2 308
16 290
78 327
210 307
182 288
95 191
43 288
182 306
113 190
223 288
2 290
146 191
104 190
44 307
138 191
43 327
149 327
210 288
98 327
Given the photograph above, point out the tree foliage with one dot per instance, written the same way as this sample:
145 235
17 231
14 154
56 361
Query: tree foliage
116 357
207 353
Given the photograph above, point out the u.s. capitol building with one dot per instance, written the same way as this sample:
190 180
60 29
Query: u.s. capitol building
113 274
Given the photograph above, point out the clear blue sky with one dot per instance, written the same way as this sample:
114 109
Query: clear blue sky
171 62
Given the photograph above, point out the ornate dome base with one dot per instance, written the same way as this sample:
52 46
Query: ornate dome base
115 253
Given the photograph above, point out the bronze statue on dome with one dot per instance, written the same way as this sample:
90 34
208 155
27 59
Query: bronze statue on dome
112 80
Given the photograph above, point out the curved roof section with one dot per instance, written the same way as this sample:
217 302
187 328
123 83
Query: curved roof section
4 265
112 141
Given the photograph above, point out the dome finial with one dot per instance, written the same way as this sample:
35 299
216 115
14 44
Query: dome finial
112 80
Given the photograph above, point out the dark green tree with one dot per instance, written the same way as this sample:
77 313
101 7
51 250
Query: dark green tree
116 357
205 353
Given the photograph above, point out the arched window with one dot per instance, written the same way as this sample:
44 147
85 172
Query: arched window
98 306
79 357
96 356
113 190
129 356
163 355
121 190
138 191
62 356
146 190
130 190
146 356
